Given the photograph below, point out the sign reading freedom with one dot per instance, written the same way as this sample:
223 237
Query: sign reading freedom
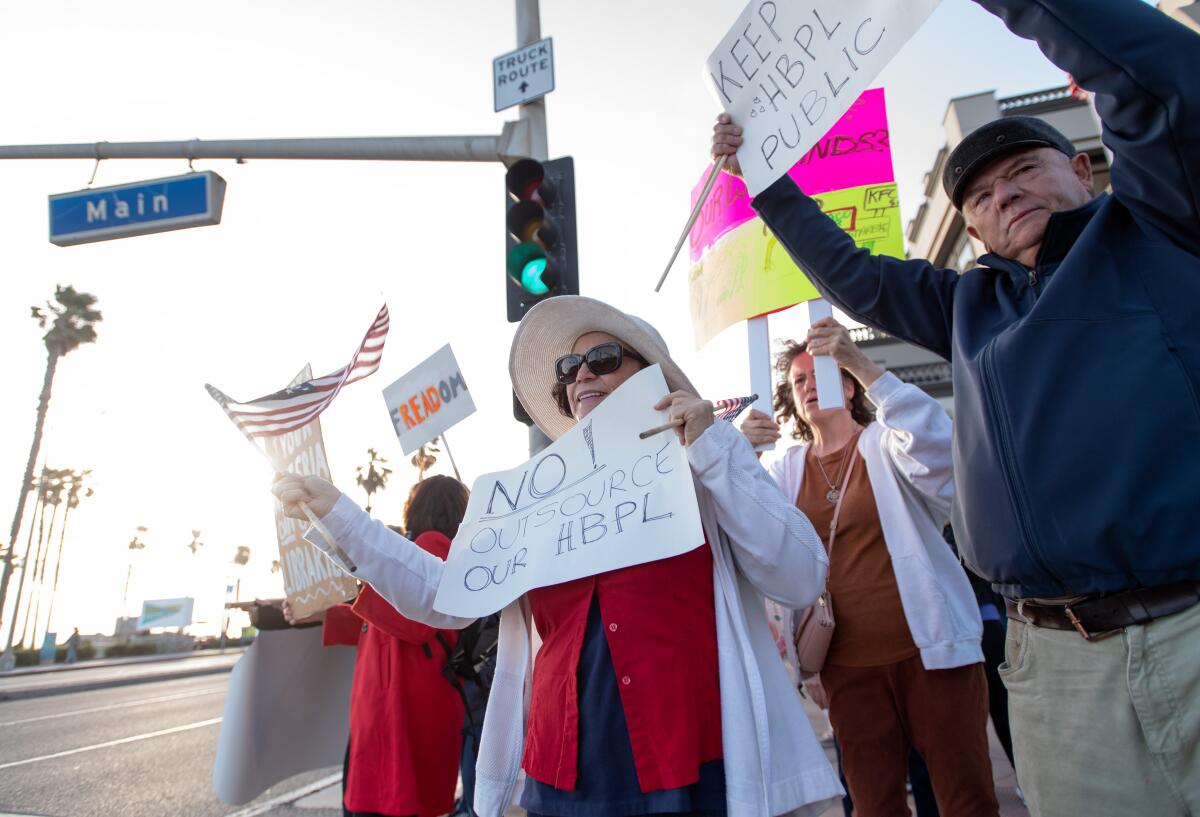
597 499
786 72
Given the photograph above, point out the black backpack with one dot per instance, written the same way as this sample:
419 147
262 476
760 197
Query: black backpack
470 658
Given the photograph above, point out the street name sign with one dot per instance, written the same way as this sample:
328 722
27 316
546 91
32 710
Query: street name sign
523 75
138 208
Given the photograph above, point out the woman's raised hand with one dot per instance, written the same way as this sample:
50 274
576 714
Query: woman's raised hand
760 429
291 490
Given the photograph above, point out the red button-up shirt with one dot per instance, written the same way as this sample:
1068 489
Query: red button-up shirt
660 626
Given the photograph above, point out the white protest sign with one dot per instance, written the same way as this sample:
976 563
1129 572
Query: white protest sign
787 71
825 368
597 499
428 400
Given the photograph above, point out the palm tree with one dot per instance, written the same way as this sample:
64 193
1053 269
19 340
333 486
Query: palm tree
72 321
135 545
38 505
55 482
424 459
372 478
75 485
242 557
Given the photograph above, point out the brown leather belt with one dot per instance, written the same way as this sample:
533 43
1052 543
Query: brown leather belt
1097 617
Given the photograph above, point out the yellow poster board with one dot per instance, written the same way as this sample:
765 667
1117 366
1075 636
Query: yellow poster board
747 273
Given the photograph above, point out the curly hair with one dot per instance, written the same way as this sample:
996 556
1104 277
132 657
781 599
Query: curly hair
435 503
785 404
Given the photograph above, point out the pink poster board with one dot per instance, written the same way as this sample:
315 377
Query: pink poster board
856 152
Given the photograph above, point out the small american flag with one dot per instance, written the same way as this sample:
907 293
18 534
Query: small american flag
293 407
728 410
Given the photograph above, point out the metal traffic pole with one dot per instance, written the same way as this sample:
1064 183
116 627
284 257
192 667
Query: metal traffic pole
533 115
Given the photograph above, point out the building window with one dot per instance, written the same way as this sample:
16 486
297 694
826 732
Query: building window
963 256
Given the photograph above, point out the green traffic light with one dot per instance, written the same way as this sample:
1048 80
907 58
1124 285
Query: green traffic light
528 267
531 277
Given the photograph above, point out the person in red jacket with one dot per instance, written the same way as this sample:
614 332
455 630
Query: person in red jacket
405 717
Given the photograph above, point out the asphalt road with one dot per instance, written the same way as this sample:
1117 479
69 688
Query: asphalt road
143 750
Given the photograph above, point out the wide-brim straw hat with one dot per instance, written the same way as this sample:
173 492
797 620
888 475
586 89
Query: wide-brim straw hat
550 330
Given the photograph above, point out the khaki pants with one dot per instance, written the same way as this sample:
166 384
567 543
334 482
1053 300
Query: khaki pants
1107 727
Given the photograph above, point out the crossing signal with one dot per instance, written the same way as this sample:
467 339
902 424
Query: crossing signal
542 254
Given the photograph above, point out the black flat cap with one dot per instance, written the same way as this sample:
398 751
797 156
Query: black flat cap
992 141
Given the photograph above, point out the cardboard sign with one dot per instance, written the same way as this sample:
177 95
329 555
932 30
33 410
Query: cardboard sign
311 580
747 273
428 400
597 499
786 72
287 711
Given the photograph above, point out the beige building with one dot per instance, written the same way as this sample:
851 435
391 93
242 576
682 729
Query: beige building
1185 11
938 232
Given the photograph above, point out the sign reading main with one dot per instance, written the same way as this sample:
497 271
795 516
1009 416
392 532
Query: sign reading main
598 499
523 75
139 208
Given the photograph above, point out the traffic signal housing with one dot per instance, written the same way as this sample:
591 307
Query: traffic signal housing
542 251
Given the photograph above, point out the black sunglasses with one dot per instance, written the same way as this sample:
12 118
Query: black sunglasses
603 358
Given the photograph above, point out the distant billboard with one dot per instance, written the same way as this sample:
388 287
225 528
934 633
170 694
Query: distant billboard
166 613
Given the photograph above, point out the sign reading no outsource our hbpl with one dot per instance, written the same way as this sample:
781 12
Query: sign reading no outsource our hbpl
786 72
101 213
597 499
428 400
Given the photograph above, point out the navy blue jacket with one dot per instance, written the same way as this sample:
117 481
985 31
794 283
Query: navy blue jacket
1076 382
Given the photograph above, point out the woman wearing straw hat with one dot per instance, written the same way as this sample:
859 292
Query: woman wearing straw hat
657 688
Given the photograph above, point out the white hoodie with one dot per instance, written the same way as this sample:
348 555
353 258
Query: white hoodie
907 452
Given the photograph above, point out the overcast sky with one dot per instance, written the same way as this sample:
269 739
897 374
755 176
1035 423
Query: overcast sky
307 251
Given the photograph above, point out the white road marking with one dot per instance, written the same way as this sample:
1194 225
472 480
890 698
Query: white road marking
139 702
108 743
287 797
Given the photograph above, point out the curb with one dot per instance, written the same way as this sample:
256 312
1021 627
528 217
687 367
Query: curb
88 686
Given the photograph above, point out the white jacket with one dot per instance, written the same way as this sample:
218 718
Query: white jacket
907 452
761 545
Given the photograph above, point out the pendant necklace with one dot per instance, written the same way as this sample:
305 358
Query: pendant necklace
834 493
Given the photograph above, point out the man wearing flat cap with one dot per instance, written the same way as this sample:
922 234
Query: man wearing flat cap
1076 361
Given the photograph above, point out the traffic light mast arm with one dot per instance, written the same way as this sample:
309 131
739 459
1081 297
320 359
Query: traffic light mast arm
515 141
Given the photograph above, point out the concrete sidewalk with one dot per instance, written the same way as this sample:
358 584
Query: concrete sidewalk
327 802
57 679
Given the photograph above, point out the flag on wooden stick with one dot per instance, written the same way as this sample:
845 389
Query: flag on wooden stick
293 407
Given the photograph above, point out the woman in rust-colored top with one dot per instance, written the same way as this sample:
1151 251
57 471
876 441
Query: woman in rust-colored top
904 668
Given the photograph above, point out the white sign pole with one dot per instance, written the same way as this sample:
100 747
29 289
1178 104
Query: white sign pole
450 454
825 368
758 335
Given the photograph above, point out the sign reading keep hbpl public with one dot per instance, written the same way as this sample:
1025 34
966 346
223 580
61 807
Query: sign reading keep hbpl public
786 72
523 75
138 208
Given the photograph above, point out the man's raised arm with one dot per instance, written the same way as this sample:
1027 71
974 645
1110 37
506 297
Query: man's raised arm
1142 67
